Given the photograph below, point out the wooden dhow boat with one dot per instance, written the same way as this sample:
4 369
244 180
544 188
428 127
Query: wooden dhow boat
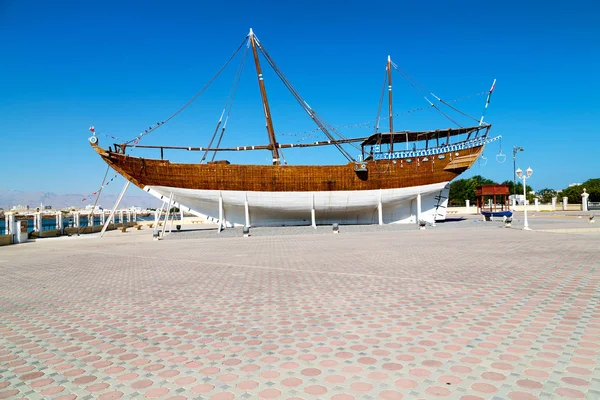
399 177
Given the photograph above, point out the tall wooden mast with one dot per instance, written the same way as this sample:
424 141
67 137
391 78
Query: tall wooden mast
263 94
390 112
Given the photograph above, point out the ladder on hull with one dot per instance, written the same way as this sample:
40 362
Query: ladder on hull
440 208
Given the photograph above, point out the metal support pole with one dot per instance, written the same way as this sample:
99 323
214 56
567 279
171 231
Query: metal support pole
157 215
220 213
380 210
173 216
526 224
170 221
418 207
514 191
313 218
168 214
515 151
114 209
247 211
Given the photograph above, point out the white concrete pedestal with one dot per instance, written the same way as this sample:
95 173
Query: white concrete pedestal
9 223
20 231
59 222
584 200
37 223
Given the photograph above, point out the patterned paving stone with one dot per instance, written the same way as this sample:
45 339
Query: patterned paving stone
467 312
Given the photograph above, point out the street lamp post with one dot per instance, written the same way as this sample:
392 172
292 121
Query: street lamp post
525 176
515 151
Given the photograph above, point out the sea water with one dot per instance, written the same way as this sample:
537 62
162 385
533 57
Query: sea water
50 223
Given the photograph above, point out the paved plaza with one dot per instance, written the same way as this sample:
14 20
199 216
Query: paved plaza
463 310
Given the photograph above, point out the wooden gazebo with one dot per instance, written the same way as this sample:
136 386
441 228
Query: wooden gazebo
492 192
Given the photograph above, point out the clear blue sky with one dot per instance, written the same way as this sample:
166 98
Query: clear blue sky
122 66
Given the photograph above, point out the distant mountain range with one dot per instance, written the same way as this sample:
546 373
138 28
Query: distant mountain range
10 198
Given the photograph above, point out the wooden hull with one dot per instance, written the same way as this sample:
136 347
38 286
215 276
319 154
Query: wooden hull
383 174
286 195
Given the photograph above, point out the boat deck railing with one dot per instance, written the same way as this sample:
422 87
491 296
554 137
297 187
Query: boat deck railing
467 144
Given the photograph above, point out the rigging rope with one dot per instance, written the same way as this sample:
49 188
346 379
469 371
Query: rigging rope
91 216
409 79
190 101
433 94
315 117
239 77
101 187
500 157
455 109
227 107
381 102
367 124
333 129
213 136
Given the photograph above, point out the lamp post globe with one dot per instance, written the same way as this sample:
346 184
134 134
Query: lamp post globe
519 173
